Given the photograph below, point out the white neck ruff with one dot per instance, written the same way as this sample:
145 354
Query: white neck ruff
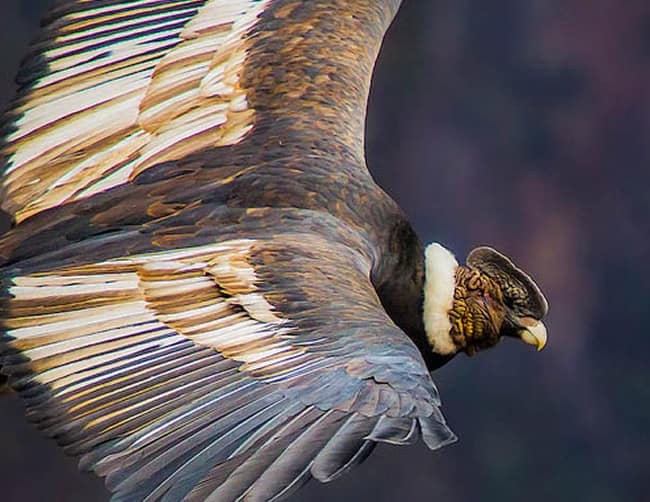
439 283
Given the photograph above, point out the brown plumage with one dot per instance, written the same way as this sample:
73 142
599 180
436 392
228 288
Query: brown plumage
205 294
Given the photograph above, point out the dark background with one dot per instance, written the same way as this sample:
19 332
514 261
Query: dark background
523 124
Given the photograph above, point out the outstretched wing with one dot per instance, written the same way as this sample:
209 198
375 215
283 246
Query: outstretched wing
191 328
115 87
242 368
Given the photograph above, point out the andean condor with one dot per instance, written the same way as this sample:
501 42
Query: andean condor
204 294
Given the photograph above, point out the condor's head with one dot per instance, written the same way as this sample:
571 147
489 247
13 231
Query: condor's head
473 307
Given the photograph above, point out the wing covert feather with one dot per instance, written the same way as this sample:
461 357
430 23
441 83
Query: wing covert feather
146 81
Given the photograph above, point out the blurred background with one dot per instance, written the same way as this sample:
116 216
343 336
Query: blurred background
523 124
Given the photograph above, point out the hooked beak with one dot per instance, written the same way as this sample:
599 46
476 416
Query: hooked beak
533 333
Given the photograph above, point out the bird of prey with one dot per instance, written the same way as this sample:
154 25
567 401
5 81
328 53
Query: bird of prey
204 295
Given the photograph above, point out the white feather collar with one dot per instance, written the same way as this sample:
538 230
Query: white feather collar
439 282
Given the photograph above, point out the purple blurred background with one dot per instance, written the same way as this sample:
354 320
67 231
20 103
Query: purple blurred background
523 124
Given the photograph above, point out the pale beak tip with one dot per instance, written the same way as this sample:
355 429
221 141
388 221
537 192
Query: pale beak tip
535 335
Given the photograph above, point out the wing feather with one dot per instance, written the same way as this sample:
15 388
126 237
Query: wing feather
113 89
344 449
145 81
183 374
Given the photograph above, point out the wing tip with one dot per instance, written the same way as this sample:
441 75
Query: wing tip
435 433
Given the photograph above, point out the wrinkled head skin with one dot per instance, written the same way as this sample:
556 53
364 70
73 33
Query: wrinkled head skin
485 300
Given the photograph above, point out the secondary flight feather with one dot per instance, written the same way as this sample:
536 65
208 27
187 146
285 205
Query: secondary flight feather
204 294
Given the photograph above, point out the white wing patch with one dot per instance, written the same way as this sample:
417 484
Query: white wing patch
128 86
76 323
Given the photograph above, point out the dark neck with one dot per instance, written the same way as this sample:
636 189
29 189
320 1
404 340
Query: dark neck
399 281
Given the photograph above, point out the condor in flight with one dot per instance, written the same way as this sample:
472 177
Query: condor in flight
204 295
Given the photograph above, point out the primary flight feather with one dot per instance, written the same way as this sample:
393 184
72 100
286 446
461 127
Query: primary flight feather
204 294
